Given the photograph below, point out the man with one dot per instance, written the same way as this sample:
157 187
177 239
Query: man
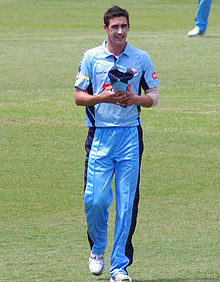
114 143
201 20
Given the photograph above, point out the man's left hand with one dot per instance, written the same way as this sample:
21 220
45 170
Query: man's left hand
126 99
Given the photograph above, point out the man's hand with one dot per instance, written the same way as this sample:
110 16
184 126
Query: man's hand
82 98
126 99
109 96
129 98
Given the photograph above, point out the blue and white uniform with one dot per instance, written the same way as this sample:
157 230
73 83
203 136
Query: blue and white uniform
114 146
202 14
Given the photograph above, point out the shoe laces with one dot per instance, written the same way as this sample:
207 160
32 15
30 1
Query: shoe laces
97 257
121 277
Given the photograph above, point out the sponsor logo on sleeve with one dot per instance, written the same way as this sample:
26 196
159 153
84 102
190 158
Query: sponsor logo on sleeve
154 75
81 76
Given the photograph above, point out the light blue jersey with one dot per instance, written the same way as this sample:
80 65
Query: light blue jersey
93 77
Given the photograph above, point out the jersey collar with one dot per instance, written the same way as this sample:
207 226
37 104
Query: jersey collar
108 54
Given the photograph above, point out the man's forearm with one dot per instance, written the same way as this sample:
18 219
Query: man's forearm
144 101
82 98
153 93
150 99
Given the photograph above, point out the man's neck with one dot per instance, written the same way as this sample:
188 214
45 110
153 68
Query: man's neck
115 50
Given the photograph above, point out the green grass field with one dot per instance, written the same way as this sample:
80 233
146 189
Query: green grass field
42 134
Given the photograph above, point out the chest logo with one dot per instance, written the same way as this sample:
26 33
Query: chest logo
135 72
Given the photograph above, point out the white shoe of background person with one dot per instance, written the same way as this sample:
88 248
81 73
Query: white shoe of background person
96 264
120 278
195 32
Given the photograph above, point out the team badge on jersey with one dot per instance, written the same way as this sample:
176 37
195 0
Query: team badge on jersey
135 72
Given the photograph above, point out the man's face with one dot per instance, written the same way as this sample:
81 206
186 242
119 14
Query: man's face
117 30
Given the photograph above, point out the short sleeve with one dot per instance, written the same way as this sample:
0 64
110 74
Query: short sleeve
150 79
83 74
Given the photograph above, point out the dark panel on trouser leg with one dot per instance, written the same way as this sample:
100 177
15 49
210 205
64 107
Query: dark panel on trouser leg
129 250
88 145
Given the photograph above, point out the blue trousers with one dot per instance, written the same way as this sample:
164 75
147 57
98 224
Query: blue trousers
202 14
113 151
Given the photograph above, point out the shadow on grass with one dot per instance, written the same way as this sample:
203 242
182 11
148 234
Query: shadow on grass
180 280
171 280
212 36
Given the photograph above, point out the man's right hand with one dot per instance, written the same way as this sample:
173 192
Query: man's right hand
109 96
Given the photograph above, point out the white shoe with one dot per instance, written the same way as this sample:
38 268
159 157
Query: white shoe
195 32
96 264
120 278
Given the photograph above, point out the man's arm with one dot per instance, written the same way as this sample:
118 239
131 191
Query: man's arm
150 99
153 93
82 98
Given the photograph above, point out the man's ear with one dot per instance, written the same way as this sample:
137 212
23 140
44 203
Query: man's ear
105 27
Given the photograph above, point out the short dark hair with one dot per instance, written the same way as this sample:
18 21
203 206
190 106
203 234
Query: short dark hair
114 12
